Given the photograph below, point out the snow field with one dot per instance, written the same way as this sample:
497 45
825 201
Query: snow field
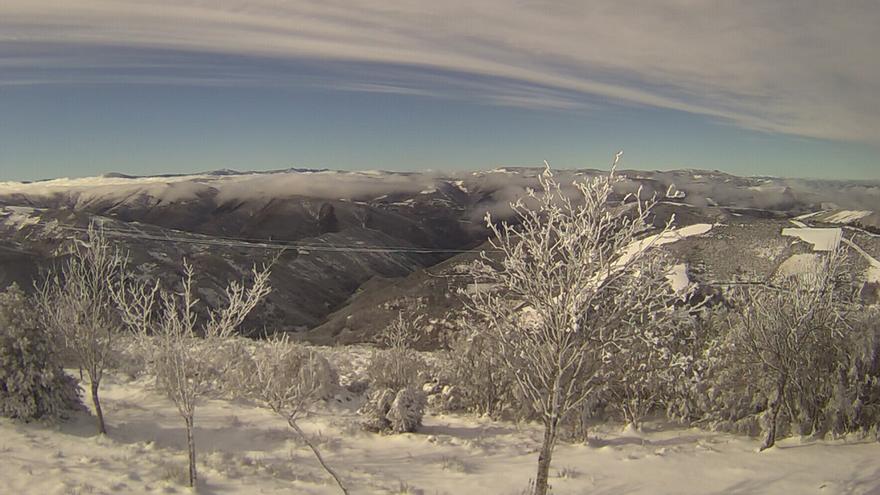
668 237
847 216
836 216
821 239
245 449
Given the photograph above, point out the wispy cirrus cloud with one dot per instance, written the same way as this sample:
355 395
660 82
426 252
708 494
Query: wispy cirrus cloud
801 67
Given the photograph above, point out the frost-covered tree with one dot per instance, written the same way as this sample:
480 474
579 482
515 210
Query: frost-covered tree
797 331
554 298
289 379
179 345
653 350
76 304
33 384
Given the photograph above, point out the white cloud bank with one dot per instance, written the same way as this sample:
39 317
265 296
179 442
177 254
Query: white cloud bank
802 67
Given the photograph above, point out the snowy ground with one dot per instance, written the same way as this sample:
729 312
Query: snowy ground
668 237
246 450
824 240
678 278
836 216
821 239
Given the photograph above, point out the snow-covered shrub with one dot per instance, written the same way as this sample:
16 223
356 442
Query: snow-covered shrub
405 330
32 382
701 359
474 368
449 398
387 411
375 410
853 397
290 377
396 368
358 386
396 376
574 427
797 356
722 393
454 464
234 367
725 390
715 387
407 409
127 357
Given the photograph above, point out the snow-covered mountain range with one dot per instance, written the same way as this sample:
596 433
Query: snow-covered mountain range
354 247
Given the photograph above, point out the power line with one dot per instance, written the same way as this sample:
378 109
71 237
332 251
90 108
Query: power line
269 244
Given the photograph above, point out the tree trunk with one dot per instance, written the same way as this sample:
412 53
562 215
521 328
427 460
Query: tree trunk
770 440
102 429
541 480
296 428
191 445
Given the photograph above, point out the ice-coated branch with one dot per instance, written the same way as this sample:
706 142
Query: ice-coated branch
570 276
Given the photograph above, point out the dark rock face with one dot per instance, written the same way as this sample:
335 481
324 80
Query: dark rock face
327 221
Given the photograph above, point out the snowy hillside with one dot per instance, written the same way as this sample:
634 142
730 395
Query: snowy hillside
343 233
707 256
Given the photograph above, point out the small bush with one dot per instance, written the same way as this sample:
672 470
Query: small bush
375 410
406 411
835 389
396 368
290 375
387 411
33 384
127 357
235 368
173 474
481 384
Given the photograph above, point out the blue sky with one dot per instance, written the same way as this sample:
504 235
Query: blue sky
772 88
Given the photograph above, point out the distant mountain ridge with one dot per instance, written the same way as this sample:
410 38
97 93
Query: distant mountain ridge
346 233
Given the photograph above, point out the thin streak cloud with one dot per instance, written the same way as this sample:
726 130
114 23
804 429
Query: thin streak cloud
803 68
